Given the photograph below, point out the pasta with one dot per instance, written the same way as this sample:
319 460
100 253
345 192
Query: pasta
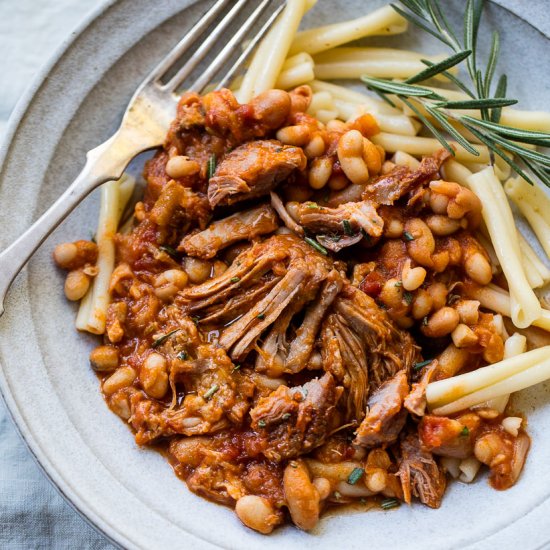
93 310
270 56
525 307
382 21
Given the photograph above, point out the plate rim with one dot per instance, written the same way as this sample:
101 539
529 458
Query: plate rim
113 535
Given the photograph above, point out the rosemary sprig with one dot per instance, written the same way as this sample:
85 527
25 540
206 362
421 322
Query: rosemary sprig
429 106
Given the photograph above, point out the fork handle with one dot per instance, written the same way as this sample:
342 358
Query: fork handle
105 162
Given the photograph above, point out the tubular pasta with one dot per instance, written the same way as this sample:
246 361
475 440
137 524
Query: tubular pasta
525 307
92 314
420 146
271 53
383 21
451 390
380 68
498 300
351 96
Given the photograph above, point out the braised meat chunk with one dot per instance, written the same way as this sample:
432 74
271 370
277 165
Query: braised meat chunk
293 421
419 473
223 233
385 416
253 170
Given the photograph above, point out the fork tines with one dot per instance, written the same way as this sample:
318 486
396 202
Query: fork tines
210 32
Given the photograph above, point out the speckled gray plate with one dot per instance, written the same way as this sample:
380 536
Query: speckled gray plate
129 493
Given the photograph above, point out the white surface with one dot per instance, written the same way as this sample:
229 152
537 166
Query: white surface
29 29
32 513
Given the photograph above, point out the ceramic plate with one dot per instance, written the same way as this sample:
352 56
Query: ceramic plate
131 494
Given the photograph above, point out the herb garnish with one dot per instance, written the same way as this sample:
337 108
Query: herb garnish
211 392
235 279
465 431
421 364
161 339
211 166
429 106
260 316
355 475
407 236
408 297
286 416
347 228
182 355
389 503
261 423
316 245
236 368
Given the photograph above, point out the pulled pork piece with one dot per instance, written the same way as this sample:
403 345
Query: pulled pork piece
362 348
391 187
338 227
416 402
419 473
223 233
271 280
253 170
293 421
385 416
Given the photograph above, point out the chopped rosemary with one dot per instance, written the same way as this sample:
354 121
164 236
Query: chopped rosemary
261 423
195 319
211 166
465 431
211 392
236 368
182 355
169 250
235 279
389 503
316 245
260 316
312 205
355 475
398 284
421 364
425 320
347 228
161 339
286 416
407 236
408 297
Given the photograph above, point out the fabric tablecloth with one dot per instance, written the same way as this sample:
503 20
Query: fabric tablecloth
32 514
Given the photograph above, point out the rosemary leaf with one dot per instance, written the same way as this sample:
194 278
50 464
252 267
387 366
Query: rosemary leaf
211 166
448 28
469 36
541 173
448 127
483 138
436 133
499 92
485 103
400 88
161 339
452 78
491 64
438 68
535 156
415 20
517 134
319 247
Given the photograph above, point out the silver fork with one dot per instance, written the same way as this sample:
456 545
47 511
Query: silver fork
145 121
